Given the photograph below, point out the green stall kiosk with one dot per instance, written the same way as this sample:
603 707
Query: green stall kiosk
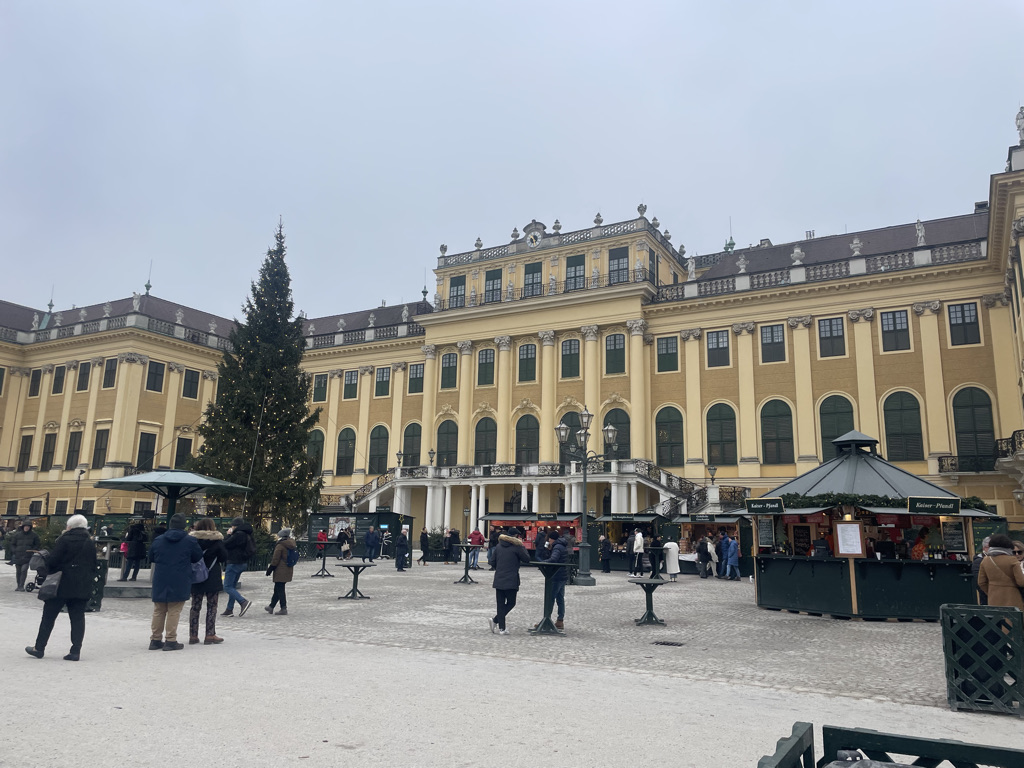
858 537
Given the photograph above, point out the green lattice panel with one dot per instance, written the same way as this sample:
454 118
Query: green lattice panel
984 650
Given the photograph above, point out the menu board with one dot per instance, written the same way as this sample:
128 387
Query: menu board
801 539
849 542
954 539
766 532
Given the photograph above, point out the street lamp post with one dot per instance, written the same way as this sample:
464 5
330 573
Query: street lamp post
579 451
78 482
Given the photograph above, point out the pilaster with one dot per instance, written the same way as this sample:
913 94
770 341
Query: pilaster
465 401
747 417
637 391
363 430
934 391
429 439
548 383
694 419
806 444
867 398
503 378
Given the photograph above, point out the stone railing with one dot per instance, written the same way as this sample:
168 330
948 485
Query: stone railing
536 290
132 320
1007 447
952 465
363 335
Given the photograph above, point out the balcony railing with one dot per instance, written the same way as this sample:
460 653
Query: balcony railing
951 465
1008 447
535 290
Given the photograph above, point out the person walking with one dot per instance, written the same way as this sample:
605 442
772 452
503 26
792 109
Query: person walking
281 571
424 546
731 547
509 556
74 557
24 542
239 546
211 541
401 550
371 542
654 553
1000 576
344 544
135 538
477 540
492 544
704 552
172 555
976 566
559 554
605 554
671 560
720 554
636 569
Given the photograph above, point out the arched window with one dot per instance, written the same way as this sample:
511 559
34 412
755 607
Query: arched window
448 444
620 419
315 449
903 438
776 433
345 464
411 446
721 435
668 430
975 430
836 414
572 420
527 440
378 462
486 442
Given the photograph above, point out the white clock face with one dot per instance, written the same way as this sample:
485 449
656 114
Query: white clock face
533 239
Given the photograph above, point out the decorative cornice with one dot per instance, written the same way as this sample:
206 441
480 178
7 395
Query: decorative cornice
465 347
71 365
96 361
447 410
636 327
175 367
867 314
76 424
396 367
571 403
51 426
336 373
429 350
547 338
934 307
133 357
989 300
16 371
210 375
648 339
801 321
739 328
589 332
690 333
365 370
48 368
504 343
526 404
185 429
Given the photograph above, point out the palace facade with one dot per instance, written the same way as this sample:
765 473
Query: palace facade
751 360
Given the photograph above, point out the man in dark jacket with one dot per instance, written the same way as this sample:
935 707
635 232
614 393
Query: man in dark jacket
172 555
424 546
606 554
240 546
509 556
559 554
540 544
401 550
24 542
371 545
74 556
136 539
975 567
704 557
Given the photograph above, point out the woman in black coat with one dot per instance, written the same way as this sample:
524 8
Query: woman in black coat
74 555
424 546
136 538
509 556
211 541
401 550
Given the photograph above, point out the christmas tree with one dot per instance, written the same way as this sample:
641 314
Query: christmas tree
257 431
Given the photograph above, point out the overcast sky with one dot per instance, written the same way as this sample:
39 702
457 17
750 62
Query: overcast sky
177 132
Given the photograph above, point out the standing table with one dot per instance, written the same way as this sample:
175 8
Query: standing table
356 569
648 586
466 578
546 625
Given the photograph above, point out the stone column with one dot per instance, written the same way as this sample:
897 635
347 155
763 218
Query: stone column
591 367
126 407
548 382
16 390
465 401
536 498
523 490
934 391
693 445
746 419
473 491
430 514
806 444
60 454
45 383
363 429
1000 323
167 440
335 382
447 505
867 400
634 505
639 417
206 396
397 399
504 415
429 440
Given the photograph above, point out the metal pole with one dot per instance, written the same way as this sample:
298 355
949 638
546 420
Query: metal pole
583 577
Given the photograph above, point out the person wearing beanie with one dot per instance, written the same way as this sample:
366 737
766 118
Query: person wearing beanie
509 556
74 556
281 571
240 545
172 555
23 544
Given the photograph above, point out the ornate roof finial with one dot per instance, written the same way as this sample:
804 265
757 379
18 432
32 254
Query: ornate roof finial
515 234
797 256
49 307
641 209
147 286
856 245
666 235
742 263
479 243
424 293
557 226
729 245
598 220
655 223
444 249
682 249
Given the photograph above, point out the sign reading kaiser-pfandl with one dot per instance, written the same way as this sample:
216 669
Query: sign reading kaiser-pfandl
923 505
764 506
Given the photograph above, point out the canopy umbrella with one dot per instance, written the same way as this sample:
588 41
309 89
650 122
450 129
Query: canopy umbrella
172 484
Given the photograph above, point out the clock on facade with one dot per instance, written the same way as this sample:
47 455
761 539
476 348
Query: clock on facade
533 239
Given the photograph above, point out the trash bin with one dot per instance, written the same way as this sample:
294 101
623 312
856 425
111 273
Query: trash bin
984 654
98 582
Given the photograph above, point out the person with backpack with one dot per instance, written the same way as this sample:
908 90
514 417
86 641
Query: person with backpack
172 555
74 556
211 541
282 566
240 546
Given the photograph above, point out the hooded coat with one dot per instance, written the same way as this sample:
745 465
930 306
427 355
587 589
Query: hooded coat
21 543
1001 578
74 555
172 555
509 556
279 562
214 554
559 554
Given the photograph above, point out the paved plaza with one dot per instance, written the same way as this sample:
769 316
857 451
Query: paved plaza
413 675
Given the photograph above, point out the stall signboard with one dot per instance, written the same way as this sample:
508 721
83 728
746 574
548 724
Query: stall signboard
849 539
699 517
764 506
765 532
985 528
801 539
625 517
547 516
383 510
954 539
922 505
